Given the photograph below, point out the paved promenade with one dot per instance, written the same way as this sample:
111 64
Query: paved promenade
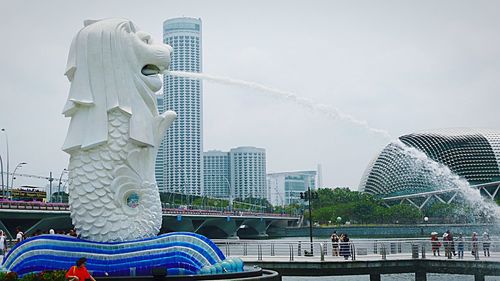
369 257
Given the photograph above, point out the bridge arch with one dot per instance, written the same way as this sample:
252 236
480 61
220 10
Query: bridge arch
219 228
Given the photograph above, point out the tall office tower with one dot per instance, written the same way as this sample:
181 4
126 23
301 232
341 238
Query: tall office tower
285 188
183 145
248 172
216 176
160 157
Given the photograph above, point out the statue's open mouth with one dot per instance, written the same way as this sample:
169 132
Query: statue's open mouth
150 69
151 78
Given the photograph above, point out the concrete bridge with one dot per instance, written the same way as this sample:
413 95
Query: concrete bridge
33 216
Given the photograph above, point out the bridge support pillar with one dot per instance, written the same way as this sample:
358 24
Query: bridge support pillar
420 276
479 277
374 277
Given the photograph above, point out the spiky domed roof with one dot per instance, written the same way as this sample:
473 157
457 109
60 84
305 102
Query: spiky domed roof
445 155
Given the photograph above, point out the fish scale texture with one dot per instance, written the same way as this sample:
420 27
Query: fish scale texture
98 204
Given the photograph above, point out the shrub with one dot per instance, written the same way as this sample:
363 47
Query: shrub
52 276
42 276
8 276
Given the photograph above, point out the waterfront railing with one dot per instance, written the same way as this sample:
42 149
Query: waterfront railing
383 249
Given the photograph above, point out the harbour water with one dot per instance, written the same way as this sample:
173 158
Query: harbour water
392 277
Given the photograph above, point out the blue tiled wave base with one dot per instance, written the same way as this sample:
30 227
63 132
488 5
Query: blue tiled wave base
180 253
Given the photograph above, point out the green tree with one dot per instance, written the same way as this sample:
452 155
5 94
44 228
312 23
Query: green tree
364 211
358 207
403 214
323 215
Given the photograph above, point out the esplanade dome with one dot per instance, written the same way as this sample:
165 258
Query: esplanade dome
433 160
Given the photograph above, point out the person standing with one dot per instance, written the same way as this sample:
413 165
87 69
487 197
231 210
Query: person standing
452 242
335 244
460 245
474 244
19 235
72 232
79 272
446 244
486 244
345 246
435 243
3 243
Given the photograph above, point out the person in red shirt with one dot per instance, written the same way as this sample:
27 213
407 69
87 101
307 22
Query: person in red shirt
79 272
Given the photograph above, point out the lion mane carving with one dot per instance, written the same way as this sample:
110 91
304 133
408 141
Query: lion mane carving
115 130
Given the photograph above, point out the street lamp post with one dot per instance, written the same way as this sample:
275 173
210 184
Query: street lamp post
64 188
309 196
310 220
230 193
59 188
13 176
51 179
7 144
426 220
1 173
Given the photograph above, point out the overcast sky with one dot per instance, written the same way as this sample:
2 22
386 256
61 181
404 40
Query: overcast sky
404 66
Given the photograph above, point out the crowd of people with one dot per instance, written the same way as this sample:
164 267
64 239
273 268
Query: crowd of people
452 246
455 246
20 236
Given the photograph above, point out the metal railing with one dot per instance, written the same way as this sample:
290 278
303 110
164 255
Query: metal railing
323 250
33 205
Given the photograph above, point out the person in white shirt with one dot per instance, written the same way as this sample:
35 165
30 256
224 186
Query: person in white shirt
51 231
3 243
19 235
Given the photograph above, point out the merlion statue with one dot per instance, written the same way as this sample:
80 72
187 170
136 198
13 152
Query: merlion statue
115 130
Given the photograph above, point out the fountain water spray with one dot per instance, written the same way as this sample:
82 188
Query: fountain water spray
328 110
441 176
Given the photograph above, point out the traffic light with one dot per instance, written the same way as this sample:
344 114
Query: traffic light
305 195
315 195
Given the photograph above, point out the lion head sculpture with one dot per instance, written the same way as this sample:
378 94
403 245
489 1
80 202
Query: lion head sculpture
112 65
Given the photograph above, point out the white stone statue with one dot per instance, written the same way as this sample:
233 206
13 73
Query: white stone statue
115 130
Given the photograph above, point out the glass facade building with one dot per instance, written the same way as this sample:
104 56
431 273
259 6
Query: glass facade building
452 155
179 162
285 188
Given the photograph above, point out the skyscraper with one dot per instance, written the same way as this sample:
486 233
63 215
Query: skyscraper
216 174
182 148
160 157
248 172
